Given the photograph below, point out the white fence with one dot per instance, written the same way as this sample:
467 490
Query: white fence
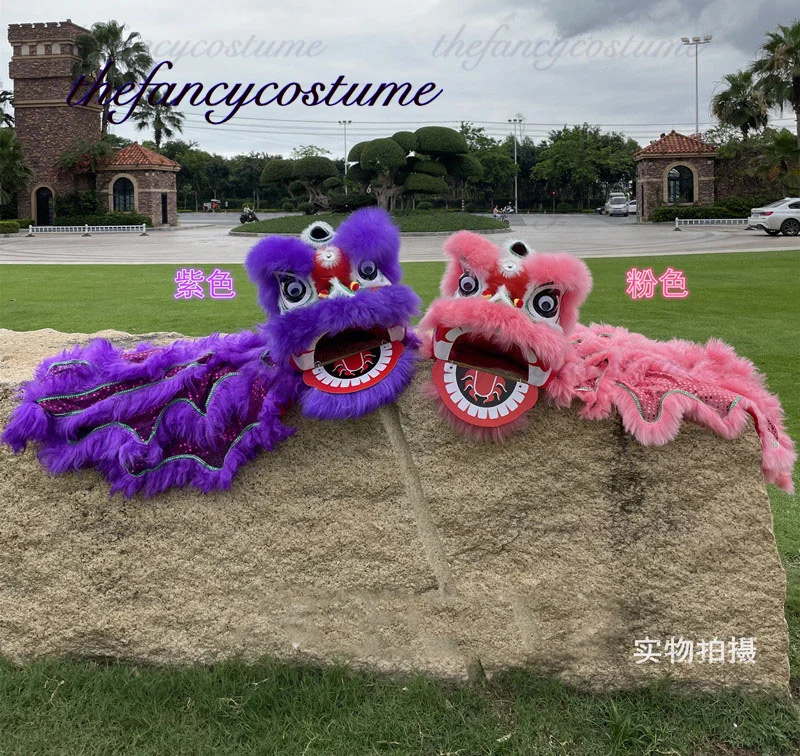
88 230
710 222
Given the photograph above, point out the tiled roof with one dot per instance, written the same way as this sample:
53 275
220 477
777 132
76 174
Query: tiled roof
135 154
676 144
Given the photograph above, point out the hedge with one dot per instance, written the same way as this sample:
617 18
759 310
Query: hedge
9 227
667 213
107 219
23 222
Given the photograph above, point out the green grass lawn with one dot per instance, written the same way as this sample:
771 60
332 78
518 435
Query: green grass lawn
419 220
746 299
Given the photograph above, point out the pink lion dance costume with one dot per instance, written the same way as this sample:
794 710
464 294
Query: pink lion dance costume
504 332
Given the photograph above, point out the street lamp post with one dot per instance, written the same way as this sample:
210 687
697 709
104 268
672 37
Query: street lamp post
345 124
515 121
696 41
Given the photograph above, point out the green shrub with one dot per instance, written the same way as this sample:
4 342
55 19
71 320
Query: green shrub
306 208
440 139
667 213
424 206
23 222
287 205
470 207
564 207
349 202
9 227
106 219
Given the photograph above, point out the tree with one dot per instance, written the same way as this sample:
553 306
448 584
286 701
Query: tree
580 160
6 98
308 175
308 150
14 171
778 69
780 159
107 42
381 160
164 119
741 104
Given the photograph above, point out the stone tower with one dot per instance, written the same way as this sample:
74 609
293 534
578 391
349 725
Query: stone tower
41 66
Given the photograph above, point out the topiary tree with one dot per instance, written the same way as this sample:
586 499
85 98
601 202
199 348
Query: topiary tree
407 140
439 140
277 171
311 172
381 159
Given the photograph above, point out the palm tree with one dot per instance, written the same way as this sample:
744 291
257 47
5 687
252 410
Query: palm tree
14 171
778 69
780 160
107 42
742 104
163 119
6 119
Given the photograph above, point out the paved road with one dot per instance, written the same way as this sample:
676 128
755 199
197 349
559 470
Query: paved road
581 235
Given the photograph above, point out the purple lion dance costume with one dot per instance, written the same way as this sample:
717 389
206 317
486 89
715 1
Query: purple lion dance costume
337 340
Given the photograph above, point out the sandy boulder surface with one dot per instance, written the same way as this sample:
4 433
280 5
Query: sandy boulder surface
392 543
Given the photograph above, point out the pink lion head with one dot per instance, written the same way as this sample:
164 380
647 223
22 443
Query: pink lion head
499 332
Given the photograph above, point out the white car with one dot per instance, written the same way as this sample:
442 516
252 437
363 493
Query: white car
782 216
617 204
632 207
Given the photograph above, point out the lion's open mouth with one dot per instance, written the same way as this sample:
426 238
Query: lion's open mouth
350 360
481 383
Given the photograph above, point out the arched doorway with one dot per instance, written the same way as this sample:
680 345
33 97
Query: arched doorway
44 206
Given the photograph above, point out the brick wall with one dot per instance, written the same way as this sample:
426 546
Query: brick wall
45 125
650 181
150 184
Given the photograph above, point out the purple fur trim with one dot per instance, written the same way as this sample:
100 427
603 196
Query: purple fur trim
273 255
296 330
370 234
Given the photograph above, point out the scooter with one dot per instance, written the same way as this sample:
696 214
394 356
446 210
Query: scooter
248 216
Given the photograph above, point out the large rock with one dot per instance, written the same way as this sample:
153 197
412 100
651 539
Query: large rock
395 544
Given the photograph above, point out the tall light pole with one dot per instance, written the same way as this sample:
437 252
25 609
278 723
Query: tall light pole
345 124
515 121
696 41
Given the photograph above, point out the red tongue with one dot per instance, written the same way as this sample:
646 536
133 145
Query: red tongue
481 398
339 376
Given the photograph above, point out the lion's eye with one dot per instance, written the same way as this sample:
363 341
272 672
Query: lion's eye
294 291
544 304
468 285
368 270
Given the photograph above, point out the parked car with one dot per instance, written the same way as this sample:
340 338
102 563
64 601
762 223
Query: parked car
632 207
600 210
616 204
781 217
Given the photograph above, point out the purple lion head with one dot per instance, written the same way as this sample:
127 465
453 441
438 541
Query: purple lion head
338 314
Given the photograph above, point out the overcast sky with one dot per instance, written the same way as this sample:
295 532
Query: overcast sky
617 64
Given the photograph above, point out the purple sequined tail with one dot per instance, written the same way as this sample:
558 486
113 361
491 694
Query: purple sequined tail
191 412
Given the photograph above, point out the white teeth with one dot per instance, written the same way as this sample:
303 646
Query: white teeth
454 333
441 349
464 404
493 413
537 376
502 409
304 361
472 410
483 413
530 355
397 333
